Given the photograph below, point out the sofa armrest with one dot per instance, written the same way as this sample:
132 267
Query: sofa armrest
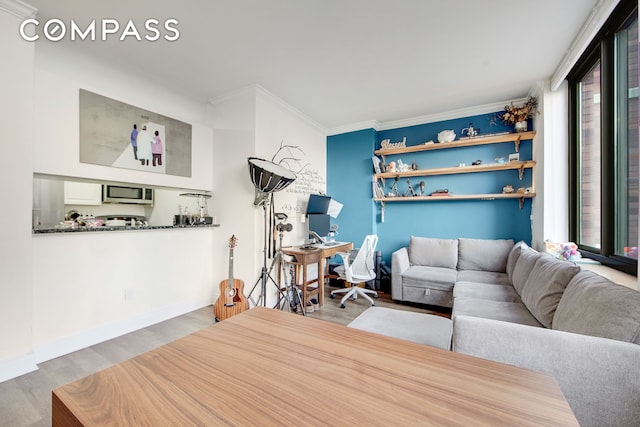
399 264
599 377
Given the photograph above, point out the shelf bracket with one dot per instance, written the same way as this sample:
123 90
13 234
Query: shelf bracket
517 144
382 211
521 171
521 202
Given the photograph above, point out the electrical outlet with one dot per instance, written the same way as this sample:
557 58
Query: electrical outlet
427 292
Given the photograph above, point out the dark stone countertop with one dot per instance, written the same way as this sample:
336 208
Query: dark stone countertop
58 230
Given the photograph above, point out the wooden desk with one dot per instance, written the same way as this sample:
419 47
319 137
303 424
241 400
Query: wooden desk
260 367
317 255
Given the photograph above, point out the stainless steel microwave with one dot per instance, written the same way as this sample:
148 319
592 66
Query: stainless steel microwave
127 194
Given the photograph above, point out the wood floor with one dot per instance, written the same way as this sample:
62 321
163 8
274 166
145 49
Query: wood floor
26 400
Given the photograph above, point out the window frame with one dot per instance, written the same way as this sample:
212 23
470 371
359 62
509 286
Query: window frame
602 49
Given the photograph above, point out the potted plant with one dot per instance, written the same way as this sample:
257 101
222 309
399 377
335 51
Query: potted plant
518 115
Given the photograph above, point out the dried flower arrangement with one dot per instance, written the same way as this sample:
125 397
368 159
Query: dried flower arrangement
513 114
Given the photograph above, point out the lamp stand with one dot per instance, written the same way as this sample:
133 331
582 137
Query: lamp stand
265 273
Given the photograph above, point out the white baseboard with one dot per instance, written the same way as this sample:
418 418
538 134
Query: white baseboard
84 339
17 366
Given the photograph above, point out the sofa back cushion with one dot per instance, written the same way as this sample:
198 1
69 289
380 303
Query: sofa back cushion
513 256
544 287
593 305
483 255
431 252
523 266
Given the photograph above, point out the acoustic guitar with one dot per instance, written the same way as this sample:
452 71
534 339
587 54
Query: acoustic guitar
231 300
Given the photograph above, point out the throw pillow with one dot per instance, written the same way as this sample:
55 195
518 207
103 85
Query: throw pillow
514 253
433 252
523 267
544 287
593 305
483 255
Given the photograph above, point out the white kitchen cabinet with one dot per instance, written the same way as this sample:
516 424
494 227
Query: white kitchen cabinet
82 193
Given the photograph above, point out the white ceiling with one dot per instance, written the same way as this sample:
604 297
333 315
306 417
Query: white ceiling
344 61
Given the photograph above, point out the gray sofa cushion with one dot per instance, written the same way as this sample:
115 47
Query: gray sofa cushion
433 252
545 285
523 267
593 305
599 377
514 253
484 255
497 310
429 277
486 291
491 277
422 328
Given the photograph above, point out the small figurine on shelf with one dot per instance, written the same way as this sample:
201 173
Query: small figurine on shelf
477 163
507 189
391 167
401 166
422 188
410 192
414 166
394 188
470 131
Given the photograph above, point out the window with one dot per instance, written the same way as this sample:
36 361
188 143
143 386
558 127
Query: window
605 157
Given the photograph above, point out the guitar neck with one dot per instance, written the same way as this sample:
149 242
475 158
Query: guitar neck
231 268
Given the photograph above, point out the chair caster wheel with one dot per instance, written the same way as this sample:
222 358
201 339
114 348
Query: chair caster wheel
373 304
216 320
332 296
343 305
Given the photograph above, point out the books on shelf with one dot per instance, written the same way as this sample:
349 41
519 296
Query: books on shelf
378 192
441 192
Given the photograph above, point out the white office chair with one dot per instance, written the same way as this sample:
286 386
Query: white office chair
358 271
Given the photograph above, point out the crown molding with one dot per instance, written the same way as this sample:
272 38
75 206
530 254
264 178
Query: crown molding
448 115
428 118
258 91
18 8
589 29
368 124
245 90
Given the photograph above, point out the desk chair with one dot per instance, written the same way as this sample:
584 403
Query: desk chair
358 271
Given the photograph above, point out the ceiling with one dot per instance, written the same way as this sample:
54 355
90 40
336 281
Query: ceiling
342 62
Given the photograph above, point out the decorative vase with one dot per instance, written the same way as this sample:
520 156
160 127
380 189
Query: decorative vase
520 126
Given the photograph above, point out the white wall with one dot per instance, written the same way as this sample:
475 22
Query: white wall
253 123
550 151
556 165
16 102
59 293
61 71
92 287
233 123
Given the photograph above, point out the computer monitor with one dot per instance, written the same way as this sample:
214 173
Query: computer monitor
320 224
318 204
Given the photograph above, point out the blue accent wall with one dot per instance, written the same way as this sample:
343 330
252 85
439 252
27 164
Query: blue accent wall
350 176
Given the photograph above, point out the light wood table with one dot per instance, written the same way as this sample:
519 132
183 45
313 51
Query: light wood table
268 367
316 255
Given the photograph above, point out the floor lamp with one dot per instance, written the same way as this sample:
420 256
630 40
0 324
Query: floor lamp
267 177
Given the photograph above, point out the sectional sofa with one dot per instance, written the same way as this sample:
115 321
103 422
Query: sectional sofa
517 306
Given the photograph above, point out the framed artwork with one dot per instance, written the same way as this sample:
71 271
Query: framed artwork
120 135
